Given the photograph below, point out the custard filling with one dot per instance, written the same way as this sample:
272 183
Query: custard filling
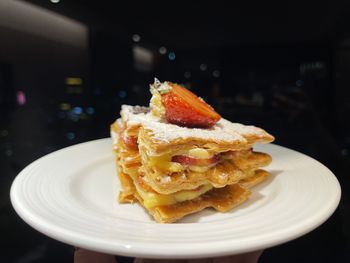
196 159
153 199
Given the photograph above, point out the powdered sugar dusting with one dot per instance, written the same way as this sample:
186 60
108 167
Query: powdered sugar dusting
223 130
247 130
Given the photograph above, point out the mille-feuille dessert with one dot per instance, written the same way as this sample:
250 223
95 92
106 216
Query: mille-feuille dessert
178 156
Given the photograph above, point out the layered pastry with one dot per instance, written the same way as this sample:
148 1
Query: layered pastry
178 156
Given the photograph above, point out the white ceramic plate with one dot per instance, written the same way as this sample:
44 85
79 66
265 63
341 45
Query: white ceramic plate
70 195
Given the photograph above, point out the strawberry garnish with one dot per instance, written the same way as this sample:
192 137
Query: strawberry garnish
184 108
130 141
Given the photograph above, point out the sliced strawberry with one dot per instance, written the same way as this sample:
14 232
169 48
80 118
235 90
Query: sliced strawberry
130 141
187 160
184 108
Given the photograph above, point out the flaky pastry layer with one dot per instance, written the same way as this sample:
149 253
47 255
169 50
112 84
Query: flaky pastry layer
221 199
234 166
161 138
149 174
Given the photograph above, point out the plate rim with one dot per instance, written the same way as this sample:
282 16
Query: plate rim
222 248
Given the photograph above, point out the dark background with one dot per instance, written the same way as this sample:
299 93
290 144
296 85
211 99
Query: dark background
66 67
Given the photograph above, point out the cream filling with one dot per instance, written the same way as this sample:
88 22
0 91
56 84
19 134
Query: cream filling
164 163
153 199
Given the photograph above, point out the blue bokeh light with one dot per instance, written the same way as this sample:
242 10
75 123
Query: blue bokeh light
70 135
122 94
77 110
90 110
171 56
